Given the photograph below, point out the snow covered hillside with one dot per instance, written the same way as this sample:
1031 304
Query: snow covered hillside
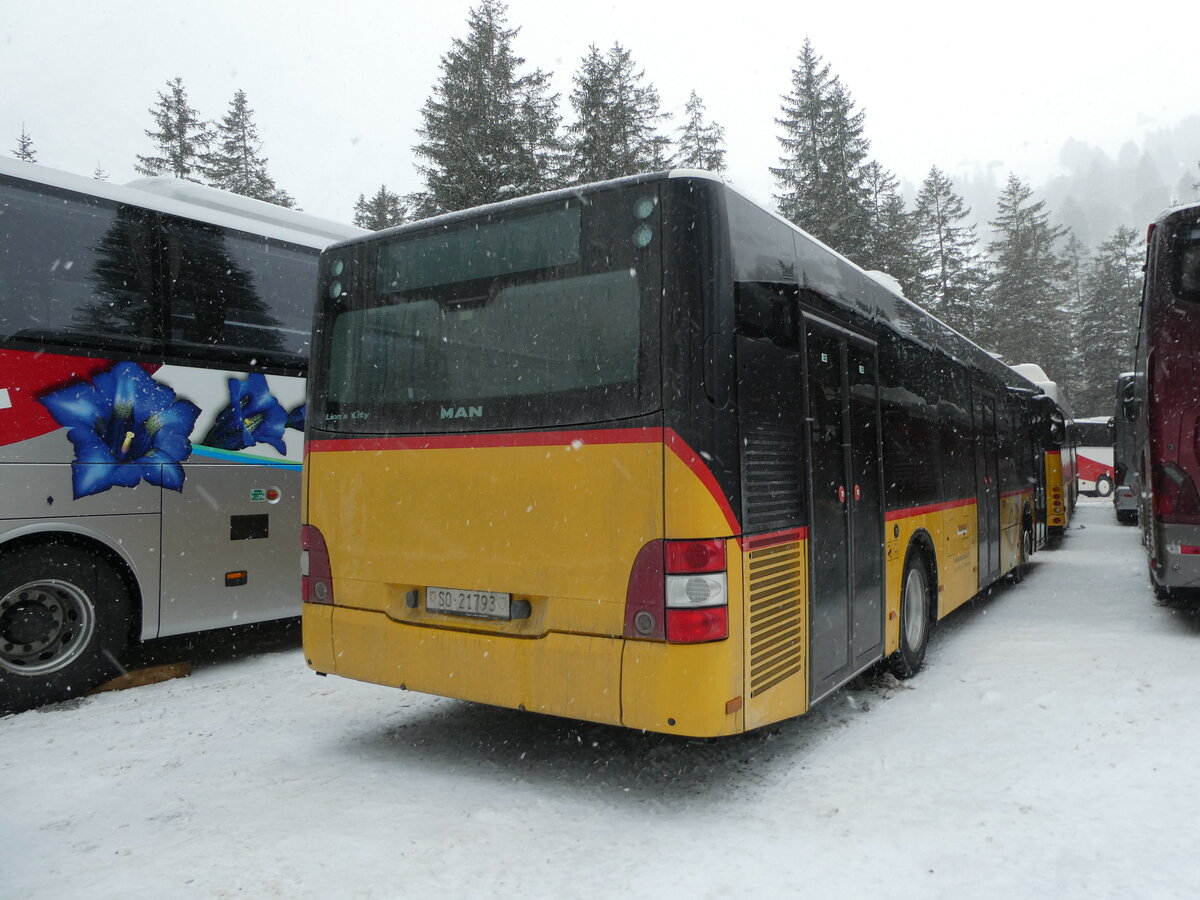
1048 750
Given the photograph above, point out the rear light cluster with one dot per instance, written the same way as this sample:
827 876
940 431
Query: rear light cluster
316 574
1056 500
1174 492
678 592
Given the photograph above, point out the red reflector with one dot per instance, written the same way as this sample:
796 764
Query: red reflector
316 584
1189 550
695 557
695 626
645 601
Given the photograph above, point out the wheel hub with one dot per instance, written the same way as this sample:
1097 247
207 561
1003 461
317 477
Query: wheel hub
44 626
30 621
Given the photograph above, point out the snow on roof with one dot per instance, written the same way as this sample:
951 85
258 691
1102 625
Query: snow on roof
186 199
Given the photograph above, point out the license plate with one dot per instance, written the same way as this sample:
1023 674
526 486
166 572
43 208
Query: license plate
482 604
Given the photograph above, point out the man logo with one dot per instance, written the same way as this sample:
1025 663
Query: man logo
462 412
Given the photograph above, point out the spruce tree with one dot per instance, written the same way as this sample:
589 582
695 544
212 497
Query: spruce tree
383 210
235 164
701 144
1108 319
820 174
1026 313
181 139
25 151
1076 271
951 284
615 131
892 238
100 174
489 133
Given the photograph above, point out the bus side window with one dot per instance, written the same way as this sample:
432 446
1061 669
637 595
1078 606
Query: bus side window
768 312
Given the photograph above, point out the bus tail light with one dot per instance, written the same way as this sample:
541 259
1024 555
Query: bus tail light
316 574
1174 492
678 591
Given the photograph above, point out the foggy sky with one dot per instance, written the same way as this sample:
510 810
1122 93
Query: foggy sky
337 88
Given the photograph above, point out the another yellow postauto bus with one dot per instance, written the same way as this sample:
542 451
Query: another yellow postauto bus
1058 469
644 453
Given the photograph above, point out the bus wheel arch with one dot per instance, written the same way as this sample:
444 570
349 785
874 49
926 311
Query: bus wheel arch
68 608
918 606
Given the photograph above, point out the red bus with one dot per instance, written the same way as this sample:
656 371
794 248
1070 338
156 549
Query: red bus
1167 381
1093 439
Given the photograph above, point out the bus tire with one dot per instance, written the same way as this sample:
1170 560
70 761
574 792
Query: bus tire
65 617
1104 486
1024 551
916 617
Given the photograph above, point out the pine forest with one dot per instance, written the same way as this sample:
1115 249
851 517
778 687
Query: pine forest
1022 273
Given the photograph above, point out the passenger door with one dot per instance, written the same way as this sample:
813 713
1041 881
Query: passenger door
987 486
845 540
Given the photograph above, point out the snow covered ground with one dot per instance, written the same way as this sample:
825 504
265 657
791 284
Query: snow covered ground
1051 748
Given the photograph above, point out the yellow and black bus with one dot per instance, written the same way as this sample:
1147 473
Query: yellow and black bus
644 453
1058 469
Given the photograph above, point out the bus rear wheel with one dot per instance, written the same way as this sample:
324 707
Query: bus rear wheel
1104 486
64 618
916 606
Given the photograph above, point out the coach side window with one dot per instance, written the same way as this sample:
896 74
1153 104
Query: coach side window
1187 263
75 271
236 297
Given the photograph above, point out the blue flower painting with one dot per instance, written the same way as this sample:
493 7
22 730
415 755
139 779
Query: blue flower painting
253 416
126 428
296 417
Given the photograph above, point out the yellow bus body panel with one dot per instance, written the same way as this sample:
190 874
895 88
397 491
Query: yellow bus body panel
557 525
954 535
1056 495
692 510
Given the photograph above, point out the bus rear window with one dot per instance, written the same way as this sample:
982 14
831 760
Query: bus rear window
482 251
424 351
527 317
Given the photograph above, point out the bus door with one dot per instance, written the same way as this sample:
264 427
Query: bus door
845 525
987 485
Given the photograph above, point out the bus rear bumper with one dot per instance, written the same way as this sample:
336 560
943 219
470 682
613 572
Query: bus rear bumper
1178 562
577 676
686 689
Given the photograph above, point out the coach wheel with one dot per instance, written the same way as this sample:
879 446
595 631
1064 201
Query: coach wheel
915 617
1104 486
64 617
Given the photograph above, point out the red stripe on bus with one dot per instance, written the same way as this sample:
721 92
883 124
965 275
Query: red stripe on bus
700 469
1018 493
774 539
674 442
892 514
